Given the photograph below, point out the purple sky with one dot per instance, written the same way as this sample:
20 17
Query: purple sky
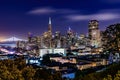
18 17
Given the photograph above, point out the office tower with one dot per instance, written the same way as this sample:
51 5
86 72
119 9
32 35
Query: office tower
50 28
94 33
57 39
47 36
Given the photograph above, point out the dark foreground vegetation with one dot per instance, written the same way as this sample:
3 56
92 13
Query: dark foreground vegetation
18 70
112 72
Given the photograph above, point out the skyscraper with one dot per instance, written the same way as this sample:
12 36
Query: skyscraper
50 26
93 25
48 35
94 33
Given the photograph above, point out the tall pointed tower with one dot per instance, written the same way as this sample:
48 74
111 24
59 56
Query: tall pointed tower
50 32
49 25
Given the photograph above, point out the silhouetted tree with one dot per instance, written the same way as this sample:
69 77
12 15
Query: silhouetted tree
42 74
46 59
112 38
28 73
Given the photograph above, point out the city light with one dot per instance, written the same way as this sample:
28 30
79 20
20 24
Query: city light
59 40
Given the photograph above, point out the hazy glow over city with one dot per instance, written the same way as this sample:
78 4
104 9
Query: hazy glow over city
23 16
59 39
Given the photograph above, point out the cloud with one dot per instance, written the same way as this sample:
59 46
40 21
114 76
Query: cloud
45 10
75 15
99 16
49 10
117 10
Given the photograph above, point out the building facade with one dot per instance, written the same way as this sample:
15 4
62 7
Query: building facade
94 33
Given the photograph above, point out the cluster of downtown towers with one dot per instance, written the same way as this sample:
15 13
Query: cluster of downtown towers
71 40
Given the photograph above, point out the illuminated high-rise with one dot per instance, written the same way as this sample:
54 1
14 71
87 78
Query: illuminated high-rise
48 35
50 28
94 33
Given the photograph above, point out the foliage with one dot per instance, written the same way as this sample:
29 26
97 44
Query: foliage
116 77
109 77
112 38
46 59
112 72
42 74
18 70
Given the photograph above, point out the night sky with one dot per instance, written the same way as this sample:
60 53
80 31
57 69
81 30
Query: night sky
18 17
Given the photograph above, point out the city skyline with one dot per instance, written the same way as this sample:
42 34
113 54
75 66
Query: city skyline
17 18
